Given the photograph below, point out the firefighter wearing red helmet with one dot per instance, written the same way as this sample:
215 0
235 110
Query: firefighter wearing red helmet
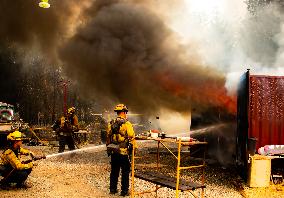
13 170
120 141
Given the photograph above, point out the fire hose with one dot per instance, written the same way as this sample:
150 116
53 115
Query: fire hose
34 159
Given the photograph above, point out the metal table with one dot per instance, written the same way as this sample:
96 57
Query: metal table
162 180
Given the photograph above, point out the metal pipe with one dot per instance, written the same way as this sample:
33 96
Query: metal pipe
178 168
132 172
169 150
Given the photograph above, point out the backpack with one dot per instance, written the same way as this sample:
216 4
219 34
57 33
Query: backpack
116 124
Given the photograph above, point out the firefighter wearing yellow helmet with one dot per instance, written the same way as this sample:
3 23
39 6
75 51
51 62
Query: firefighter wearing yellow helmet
120 142
44 4
13 170
65 128
71 110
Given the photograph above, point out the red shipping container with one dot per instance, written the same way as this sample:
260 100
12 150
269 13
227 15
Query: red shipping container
266 109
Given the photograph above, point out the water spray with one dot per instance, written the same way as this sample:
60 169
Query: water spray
200 131
76 151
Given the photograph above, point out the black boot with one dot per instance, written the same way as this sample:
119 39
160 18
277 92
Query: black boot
24 185
124 193
113 191
5 186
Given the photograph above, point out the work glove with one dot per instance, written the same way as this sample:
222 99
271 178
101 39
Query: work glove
30 165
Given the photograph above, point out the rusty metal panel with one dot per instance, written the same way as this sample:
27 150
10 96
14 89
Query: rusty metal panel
266 109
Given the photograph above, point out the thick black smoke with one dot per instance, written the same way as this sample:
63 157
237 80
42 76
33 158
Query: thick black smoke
29 38
25 24
117 51
9 80
126 53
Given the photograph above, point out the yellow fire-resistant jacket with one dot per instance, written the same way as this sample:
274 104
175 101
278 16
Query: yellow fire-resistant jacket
71 126
10 158
125 132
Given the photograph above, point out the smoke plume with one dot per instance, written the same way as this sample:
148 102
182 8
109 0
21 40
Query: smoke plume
25 25
126 53
149 55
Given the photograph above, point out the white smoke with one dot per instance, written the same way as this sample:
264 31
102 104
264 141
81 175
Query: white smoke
279 62
172 122
226 36
230 38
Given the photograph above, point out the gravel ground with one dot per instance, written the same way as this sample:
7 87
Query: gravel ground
86 174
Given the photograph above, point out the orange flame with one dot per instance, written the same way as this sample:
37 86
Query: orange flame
210 93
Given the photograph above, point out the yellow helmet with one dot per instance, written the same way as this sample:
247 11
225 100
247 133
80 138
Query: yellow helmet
121 107
71 110
16 135
44 4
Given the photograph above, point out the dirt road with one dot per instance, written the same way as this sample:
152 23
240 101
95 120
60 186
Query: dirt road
86 175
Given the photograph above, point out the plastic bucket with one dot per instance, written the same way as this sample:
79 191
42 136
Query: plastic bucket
259 171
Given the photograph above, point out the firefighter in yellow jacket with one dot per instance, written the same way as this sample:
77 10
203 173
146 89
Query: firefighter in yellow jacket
65 128
120 142
13 170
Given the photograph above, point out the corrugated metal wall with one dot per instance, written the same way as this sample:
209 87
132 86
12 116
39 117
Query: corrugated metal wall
266 109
